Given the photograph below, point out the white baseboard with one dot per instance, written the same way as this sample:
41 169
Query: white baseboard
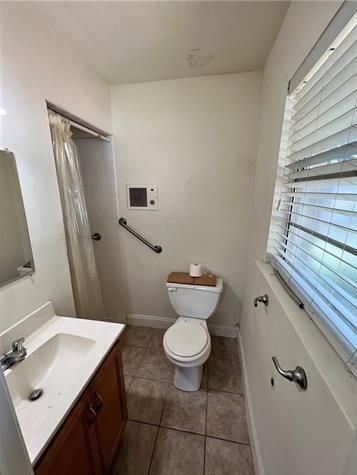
153 321
257 460
222 330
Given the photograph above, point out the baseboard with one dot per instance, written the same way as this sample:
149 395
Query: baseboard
222 330
153 321
257 460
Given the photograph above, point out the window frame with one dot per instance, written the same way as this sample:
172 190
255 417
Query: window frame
309 296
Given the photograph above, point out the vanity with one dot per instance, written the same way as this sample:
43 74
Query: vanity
68 393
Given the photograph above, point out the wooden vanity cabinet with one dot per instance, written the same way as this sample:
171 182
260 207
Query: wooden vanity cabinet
107 396
88 439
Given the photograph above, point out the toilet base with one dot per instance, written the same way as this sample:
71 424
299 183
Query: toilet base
188 379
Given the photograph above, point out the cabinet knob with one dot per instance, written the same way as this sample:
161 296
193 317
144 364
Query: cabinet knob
92 413
98 404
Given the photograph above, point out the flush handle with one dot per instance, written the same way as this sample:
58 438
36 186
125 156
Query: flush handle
296 375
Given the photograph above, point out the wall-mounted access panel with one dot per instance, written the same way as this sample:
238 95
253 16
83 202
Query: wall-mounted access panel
144 197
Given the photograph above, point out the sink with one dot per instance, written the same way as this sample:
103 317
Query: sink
59 368
51 367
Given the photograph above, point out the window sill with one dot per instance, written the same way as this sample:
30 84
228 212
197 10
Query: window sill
342 384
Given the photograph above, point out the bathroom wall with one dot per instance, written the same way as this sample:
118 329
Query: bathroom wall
98 173
37 65
196 139
327 411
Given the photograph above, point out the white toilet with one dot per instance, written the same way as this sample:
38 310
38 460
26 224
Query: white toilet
187 343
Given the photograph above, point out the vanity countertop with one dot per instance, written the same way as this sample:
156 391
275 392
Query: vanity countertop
63 355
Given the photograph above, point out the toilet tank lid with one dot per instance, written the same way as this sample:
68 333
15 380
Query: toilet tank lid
206 288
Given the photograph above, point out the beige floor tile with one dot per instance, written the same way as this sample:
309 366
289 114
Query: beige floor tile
204 381
226 417
135 450
224 348
178 453
146 400
127 380
156 340
227 458
225 375
131 357
185 410
136 336
155 365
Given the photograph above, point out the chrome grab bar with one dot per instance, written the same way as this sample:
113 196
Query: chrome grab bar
123 222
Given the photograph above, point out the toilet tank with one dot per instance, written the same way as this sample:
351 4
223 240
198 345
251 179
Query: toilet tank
197 301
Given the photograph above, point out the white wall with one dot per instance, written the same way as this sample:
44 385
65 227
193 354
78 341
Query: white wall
310 432
98 173
37 65
196 139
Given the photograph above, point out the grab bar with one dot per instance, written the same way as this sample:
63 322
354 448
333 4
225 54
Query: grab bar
123 222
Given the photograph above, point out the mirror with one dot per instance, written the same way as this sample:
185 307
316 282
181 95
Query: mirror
16 259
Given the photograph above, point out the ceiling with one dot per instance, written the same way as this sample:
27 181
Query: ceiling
134 41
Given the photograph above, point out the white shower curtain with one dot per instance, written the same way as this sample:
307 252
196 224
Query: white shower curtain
84 275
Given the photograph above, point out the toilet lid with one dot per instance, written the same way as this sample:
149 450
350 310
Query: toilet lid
186 339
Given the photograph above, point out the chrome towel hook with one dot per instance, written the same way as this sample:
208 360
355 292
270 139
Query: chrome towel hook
296 375
262 299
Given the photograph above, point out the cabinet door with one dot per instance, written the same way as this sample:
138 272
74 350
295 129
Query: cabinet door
108 399
71 451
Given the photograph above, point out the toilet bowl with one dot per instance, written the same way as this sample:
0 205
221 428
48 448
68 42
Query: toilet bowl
187 343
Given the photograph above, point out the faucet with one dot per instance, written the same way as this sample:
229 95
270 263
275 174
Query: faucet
18 353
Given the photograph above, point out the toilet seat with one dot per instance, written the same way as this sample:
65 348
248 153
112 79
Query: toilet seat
186 340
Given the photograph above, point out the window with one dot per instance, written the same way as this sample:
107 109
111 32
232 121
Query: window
313 233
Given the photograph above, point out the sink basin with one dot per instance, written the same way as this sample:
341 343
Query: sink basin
51 368
56 367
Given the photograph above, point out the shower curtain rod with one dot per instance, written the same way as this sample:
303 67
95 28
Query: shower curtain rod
89 131
79 123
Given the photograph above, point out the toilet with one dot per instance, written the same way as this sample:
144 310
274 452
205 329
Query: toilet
187 343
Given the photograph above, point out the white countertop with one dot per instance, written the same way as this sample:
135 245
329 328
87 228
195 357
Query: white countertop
63 355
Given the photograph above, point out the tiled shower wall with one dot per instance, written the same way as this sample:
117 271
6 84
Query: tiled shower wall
98 174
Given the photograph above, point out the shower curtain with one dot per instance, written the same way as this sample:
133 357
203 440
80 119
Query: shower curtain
84 275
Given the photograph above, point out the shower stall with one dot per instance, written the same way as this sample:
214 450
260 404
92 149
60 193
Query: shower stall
87 183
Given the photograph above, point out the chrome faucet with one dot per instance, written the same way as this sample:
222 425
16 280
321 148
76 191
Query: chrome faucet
18 353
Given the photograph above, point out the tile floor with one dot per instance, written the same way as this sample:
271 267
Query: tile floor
174 432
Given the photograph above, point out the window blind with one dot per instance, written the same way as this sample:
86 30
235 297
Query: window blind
313 234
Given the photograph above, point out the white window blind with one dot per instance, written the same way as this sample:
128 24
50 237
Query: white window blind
313 234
